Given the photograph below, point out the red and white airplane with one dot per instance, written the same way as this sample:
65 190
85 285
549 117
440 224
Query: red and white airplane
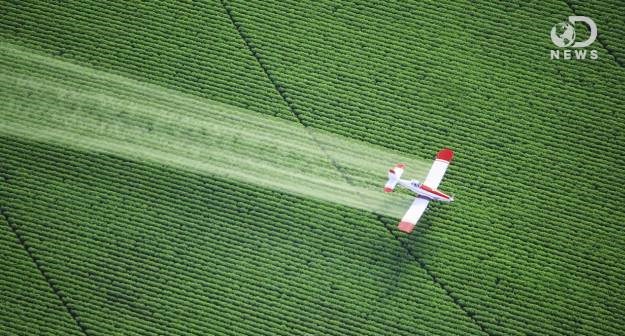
425 191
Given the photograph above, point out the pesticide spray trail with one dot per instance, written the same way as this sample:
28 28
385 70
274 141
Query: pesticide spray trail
53 101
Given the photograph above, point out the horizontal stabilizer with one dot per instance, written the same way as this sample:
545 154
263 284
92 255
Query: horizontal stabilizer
394 174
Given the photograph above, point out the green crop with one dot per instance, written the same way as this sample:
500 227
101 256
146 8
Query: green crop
131 217
95 111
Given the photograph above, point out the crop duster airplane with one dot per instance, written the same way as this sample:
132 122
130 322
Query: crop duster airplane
425 191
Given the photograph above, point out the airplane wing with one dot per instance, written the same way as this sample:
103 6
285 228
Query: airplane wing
437 171
417 208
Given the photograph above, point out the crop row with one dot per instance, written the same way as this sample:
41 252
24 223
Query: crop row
529 136
205 246
28 307
82 105
520 163
604 13
115 37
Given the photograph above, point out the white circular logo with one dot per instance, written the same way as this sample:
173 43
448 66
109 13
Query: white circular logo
563 34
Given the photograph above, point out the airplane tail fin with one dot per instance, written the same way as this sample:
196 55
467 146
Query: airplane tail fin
394 174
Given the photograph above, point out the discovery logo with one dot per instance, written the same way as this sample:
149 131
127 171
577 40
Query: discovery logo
563 36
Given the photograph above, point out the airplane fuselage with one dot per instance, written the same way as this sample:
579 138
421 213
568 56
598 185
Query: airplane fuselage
425 191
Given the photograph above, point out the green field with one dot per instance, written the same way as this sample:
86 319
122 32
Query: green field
121 215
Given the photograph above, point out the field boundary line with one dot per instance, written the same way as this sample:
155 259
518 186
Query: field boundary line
248 43
599 38
71 311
